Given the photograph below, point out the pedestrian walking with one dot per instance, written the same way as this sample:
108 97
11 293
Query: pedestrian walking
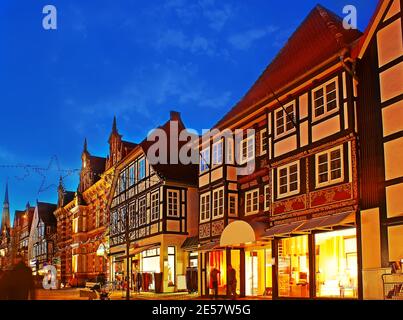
214 280
18 283
231 281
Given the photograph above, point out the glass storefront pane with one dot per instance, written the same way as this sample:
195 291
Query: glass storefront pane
236 264
336 264
293 267
217 259
268 272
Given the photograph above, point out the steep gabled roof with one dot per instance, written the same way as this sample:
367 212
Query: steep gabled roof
173 172
320 36
45 212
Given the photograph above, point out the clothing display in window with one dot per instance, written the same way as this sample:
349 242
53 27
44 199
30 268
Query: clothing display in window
191 279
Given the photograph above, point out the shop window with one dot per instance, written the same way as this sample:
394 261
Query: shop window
233 205
252 202
218 203
329 167
173 203
325 99
285 120
193 259
205 207
247 149
155 206
336 264
171 266
204 159
288 180
217 153
293 267
217 260
266 197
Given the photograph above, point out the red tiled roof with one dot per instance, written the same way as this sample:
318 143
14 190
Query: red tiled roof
320 36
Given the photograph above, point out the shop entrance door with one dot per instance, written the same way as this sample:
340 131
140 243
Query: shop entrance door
251 273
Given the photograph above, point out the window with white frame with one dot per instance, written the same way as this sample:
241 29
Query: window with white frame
142 211
285 119
288 180
132 215
233 205
229 143
173 203
218 203
205 207
247 149
122 182
142 169
266 197
325 99
329 167
252 202
263 141
132 175
217 153
155 206
204 159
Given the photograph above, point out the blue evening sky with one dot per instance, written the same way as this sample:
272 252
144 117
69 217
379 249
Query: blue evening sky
134 59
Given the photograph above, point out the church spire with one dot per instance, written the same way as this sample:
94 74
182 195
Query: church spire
6 195
114 127
85 149
5 217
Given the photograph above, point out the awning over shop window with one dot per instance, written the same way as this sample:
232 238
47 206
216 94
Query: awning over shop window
190 243
241 232
137 250
283 229
208 246
340 219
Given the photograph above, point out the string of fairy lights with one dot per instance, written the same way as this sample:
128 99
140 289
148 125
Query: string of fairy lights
43 173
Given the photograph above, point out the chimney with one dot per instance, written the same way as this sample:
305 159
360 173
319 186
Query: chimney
175 116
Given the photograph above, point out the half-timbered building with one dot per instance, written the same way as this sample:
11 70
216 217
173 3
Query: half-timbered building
380 123
288 225
153 210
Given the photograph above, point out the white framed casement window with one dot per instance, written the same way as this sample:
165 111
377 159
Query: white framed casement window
132 175
284 120
217 153
155 206
325 99
266 197
233 205
252 202
218 203
204 159
247 149
263 141
329 167
288 180
142 169
173 203
229 152
205 207
142 211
